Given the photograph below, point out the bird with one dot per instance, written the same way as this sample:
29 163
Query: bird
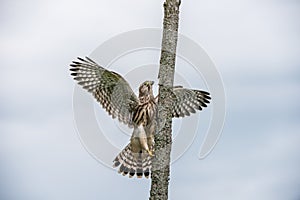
116 96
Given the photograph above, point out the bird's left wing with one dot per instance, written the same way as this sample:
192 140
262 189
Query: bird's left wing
187 101
109 88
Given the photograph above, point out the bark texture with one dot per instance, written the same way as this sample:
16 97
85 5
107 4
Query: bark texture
160 175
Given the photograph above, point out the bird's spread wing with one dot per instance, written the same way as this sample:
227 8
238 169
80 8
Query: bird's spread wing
109 88
187 101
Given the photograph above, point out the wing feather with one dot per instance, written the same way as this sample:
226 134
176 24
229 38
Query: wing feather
187 101
109 88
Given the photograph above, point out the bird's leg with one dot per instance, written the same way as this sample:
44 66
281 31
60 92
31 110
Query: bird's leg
150 142
150 137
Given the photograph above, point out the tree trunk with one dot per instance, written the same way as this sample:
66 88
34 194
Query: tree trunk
160 175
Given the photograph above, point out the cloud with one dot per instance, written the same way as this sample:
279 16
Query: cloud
254 46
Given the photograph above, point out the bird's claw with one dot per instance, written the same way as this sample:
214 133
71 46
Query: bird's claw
151 153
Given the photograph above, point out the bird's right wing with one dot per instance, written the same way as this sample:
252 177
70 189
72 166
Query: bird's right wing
187 101
109 88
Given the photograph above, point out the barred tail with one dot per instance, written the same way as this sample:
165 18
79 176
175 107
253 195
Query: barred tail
131 163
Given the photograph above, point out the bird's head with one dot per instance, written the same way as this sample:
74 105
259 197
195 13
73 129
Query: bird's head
145 90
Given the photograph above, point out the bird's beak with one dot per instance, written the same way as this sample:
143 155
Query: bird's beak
151 83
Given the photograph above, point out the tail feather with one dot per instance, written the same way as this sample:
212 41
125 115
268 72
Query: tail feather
131 164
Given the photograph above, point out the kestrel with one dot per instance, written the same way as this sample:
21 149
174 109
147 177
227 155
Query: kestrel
115 95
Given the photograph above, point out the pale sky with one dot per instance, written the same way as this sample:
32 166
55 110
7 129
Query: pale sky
254 44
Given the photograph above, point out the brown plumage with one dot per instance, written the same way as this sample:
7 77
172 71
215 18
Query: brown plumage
140 113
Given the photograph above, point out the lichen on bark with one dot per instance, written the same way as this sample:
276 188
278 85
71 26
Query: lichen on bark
160 175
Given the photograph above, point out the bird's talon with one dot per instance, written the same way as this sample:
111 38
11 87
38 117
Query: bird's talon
151 153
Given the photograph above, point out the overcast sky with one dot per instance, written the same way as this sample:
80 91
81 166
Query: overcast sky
254 44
